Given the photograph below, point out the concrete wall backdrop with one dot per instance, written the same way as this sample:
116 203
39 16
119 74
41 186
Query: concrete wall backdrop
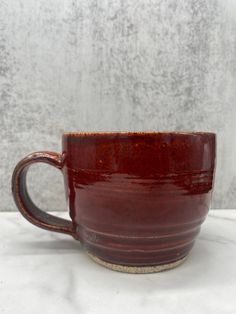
91 65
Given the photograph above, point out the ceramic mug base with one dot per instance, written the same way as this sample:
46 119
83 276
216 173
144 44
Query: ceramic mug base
137 269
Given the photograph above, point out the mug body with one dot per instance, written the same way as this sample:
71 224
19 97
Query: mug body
138 199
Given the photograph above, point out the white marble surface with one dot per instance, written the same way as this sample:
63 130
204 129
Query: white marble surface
43 272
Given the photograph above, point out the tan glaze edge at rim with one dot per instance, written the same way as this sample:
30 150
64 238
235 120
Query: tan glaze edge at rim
137 269
130 133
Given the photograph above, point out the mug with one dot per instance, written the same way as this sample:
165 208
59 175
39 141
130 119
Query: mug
136 199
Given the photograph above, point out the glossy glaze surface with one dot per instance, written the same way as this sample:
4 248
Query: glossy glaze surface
138 198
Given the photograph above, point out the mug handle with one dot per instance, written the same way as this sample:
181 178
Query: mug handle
23 201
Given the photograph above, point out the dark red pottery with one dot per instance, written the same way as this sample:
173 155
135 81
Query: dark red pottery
137 200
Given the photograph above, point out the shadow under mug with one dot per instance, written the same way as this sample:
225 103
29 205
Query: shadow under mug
136 199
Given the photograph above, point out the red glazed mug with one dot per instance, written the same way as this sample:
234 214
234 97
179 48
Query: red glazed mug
136 200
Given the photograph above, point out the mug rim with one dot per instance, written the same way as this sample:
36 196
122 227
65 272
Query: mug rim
136 133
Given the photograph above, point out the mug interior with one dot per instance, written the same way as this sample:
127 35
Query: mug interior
137 133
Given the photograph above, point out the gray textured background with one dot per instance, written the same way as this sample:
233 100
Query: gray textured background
91 65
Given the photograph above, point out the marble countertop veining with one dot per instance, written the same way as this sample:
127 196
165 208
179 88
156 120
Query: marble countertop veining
43 272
